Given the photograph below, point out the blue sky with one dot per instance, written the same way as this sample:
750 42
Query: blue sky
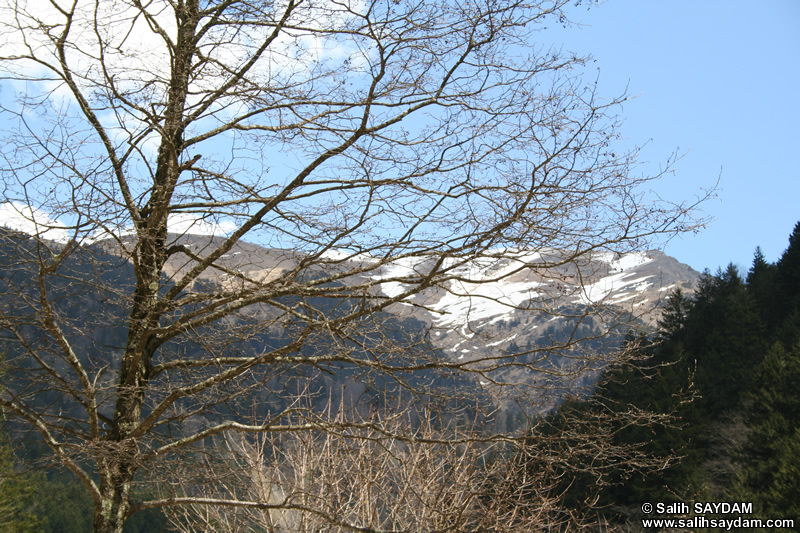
719 81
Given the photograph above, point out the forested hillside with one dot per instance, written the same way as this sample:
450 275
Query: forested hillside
721 378
726 365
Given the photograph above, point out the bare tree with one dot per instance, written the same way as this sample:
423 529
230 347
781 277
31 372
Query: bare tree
382 150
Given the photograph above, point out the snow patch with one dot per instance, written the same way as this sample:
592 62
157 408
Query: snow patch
509 339
631 260
490 288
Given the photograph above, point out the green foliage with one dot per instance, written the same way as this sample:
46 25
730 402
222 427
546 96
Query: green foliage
740 438
18 512
771 458
66 506
725 337
673 317
61 504
789 273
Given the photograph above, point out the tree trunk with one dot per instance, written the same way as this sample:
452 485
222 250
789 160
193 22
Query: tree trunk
111 513
119 460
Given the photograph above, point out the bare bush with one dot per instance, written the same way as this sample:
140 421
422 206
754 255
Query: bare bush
392 476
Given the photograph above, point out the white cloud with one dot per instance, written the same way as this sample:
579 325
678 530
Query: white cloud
187 223
33 221
182 224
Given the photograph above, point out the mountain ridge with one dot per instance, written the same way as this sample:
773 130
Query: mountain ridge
530 304
570 315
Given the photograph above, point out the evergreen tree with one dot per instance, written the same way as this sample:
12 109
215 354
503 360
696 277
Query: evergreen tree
761 283
17 509
771 458
17 512
673 317
789 271
786 302
739 440
761 276
726 339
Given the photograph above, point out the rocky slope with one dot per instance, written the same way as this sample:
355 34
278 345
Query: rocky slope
501 304
532 305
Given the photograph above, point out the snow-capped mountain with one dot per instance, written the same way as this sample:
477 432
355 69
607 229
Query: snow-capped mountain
494 303
530 305
503 299
508 297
